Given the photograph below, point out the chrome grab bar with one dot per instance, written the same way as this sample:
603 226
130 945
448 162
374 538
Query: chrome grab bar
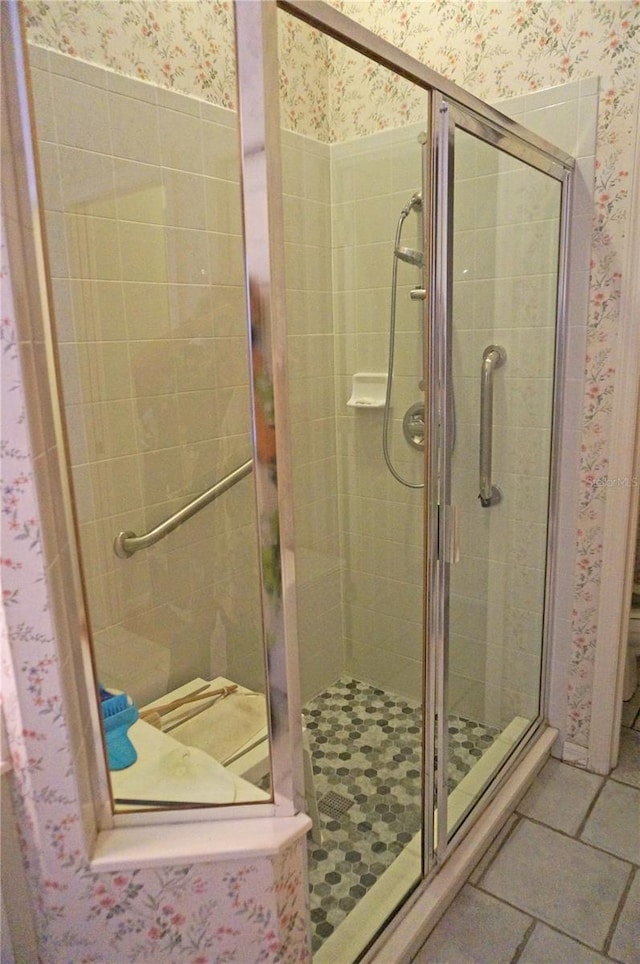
492 357
126 543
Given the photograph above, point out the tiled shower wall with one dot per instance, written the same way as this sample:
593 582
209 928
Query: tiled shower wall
307 221
499 640
506 242
143 339
141 189
496 605
153 318
150 313
497 596
381 520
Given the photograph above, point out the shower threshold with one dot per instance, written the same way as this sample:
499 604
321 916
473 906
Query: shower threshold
386 895
367 762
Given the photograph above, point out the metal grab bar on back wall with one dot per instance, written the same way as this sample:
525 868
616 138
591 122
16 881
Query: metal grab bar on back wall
492 357
126 543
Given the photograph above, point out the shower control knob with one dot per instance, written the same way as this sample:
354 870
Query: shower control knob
413 425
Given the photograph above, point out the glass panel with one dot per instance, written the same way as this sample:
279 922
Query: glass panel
351 184
505 264
142 200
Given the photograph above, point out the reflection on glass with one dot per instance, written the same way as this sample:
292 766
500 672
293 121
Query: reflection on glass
142 199
346 179
505 261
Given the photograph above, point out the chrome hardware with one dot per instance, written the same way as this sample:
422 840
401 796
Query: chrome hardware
493 357
126 543
410 256
449 525
413 425
413 204
418 294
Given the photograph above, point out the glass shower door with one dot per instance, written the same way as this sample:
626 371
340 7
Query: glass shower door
353 213
504 241
390 627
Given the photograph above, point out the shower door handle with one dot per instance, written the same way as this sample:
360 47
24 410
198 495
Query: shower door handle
492 357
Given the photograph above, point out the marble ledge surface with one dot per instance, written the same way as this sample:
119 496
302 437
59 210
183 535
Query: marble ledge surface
196 842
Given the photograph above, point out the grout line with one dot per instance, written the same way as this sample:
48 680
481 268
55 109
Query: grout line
585 843
558 830
590 809
525 940
554 927
618 912
604 950
634 871
557 930
500 842
624 783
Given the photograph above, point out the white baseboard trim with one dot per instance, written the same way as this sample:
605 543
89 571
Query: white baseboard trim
572 753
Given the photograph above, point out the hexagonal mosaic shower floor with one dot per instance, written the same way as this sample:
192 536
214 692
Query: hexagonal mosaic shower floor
366 753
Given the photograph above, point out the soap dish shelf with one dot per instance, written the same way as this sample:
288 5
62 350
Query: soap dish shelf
368 390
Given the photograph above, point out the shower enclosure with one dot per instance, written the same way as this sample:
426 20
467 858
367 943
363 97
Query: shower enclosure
422 286
385 419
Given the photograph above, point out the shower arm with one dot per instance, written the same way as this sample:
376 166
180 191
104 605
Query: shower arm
126 543
492 357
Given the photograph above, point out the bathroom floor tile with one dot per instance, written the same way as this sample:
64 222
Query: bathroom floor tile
631 708
614 822
476 929
560 796
367 762
560 880
628 769
625 945
493 849
546 946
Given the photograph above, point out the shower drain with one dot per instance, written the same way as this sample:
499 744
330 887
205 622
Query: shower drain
334 805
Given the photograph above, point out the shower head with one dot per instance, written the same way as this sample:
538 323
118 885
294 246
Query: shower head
411 256
413 204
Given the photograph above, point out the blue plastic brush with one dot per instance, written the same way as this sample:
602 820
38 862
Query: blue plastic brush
118 714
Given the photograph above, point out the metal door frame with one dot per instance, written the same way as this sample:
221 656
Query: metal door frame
256 38
447 115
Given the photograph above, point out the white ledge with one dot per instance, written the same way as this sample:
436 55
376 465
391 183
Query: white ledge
127 848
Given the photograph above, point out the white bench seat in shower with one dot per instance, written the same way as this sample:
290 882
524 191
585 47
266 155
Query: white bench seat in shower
227 730
168 771
233 731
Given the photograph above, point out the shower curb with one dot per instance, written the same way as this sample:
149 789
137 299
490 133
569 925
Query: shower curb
402 939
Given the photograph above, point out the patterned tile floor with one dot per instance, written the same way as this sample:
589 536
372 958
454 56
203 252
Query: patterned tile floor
367 760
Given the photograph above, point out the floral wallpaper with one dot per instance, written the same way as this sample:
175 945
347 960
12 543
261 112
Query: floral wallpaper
255 911
225 911
183 46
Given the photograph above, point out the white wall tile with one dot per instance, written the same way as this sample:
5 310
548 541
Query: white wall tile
134 129
80 112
